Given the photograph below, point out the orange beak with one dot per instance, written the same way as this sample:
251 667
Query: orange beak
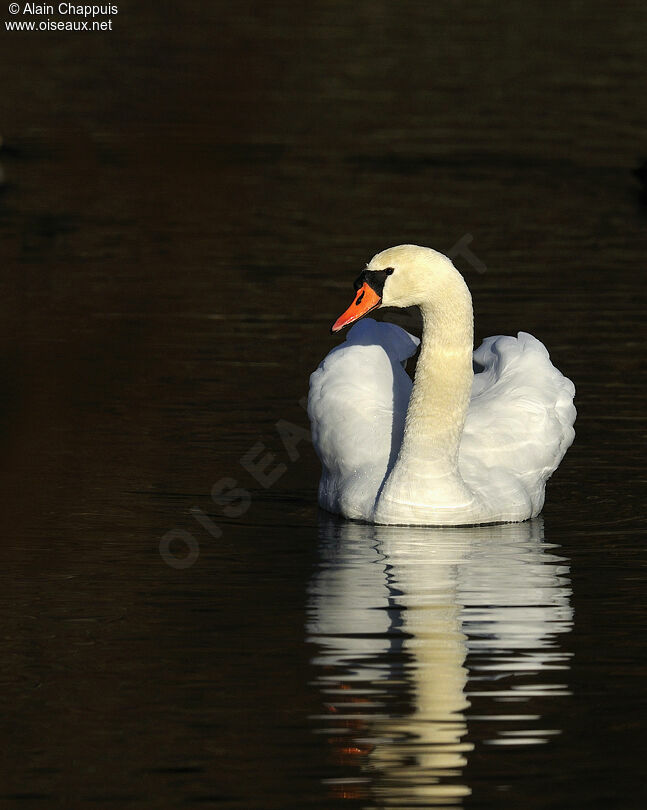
365 301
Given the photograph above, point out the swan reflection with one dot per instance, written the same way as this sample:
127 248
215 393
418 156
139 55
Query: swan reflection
419 633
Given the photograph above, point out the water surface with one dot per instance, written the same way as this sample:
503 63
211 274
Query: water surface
186 203
433 642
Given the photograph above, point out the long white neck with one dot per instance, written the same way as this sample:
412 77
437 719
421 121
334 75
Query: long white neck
443 381
427 464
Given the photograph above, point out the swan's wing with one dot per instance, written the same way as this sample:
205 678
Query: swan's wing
520 420
357 405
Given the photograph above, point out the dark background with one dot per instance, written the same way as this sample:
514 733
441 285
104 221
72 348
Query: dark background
186 201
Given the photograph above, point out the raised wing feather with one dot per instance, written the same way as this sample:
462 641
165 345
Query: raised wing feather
357 404
520 419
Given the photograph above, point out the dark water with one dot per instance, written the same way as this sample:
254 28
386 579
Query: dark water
186 201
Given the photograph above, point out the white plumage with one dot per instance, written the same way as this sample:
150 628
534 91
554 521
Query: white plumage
520 419
357 405
480 456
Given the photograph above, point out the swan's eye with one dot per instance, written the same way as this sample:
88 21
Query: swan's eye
374 278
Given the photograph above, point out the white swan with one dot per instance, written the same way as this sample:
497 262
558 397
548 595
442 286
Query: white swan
455 447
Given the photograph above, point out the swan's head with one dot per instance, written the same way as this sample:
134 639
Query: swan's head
402 276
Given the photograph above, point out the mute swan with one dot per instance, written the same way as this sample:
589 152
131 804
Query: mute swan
453 447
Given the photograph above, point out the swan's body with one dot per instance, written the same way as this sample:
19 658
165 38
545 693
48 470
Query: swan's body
453 447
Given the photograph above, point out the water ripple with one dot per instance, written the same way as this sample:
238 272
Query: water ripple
431 642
